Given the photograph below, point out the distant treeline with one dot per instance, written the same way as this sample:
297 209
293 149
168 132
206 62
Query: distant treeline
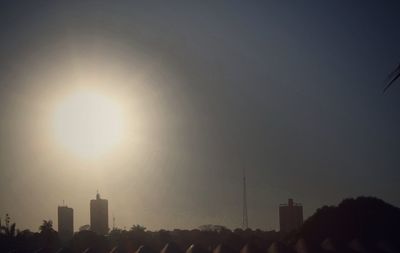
364 224
207 237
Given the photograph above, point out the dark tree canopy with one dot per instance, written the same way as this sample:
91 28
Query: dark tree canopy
366 219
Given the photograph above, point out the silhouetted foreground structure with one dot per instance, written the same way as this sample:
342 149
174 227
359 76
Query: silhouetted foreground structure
356 225
290 216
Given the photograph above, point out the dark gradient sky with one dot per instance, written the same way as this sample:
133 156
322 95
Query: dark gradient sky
291 91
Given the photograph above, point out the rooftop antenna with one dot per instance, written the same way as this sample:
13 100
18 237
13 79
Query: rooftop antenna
245 221
113 222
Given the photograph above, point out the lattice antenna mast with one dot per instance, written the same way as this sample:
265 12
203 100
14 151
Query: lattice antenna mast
113 219
245 221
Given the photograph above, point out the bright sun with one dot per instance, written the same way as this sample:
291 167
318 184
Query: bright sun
88 124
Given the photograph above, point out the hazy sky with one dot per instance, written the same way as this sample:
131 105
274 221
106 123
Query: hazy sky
290 91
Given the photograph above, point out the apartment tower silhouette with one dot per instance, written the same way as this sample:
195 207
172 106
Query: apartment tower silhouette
65 222
99 215
290 216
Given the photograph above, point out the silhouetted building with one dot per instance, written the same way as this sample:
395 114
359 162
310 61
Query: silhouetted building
65 222
290 216
99 215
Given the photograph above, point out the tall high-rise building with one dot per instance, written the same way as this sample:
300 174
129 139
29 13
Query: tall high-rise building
290 216
65 222
99 215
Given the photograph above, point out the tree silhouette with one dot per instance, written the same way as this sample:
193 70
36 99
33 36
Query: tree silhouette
46 227
365 219
8 229
138 228
48 234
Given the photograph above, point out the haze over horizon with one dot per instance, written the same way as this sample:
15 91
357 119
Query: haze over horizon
291 92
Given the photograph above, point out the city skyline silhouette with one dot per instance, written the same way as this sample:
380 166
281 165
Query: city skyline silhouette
355 225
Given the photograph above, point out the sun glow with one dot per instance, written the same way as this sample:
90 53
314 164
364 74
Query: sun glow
88 124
